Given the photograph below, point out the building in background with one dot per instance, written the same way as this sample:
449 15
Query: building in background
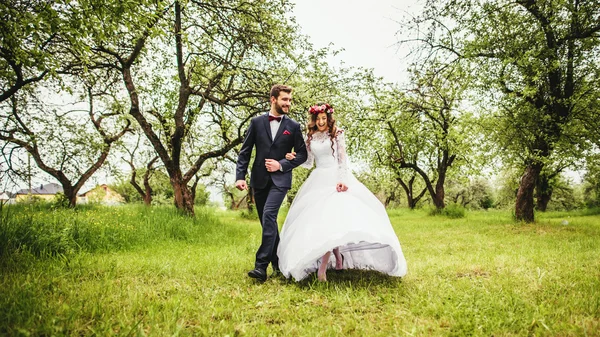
101 194
45 192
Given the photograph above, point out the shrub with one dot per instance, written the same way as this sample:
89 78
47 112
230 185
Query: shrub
453 211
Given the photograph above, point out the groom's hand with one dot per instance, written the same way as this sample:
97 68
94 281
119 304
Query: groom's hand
272 165
241 185
290 156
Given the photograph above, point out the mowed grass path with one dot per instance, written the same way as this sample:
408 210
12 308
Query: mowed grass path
481 275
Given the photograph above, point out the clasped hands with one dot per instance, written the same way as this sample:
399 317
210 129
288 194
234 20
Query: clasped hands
272 165
340 187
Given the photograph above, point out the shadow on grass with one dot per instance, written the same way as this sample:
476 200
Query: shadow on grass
350 278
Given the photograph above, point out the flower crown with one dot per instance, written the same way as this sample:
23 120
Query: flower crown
317 109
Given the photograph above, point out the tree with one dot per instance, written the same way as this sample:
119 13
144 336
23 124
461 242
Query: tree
226 54
473 193
32 34
424 130
150 158
62 145
537 60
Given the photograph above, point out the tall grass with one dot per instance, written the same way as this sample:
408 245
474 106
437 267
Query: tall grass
479 275
43 230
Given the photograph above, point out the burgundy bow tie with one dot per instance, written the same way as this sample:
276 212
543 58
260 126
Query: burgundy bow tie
273 118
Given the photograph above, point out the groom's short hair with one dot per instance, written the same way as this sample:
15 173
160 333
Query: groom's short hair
277 88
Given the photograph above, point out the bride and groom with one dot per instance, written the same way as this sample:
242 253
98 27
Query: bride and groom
332 211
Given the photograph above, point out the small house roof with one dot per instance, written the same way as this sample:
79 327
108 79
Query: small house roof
51 188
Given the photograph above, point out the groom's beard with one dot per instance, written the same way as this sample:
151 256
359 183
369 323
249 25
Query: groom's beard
279 109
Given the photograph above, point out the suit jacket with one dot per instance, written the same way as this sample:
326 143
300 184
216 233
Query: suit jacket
289 135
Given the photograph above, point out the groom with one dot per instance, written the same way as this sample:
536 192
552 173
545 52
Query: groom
273 134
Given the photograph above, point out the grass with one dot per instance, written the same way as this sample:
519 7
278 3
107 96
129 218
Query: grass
132 271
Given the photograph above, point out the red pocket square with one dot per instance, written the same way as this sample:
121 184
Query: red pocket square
286 132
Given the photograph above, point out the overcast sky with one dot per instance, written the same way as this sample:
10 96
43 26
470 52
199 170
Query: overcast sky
364 29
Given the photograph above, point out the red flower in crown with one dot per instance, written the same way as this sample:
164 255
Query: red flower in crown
317 109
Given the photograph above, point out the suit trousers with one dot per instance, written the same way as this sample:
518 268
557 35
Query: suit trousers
268 201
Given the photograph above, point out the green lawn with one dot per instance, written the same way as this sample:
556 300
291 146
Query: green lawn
134 271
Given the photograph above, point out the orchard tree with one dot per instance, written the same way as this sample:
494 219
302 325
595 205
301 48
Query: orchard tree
33 34
194 71
70 145
420 131
146 155
537 68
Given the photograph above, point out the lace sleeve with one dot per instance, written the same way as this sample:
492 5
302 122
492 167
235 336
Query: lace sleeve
342 157
310 158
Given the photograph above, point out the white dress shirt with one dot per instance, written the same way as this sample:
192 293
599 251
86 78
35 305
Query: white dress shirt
274 126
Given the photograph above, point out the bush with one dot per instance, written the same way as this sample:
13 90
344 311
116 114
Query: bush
486 203
453 211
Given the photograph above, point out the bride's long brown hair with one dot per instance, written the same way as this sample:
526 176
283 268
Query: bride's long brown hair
312 127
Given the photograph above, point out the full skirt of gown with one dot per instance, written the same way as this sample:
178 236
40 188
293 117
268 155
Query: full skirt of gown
321 219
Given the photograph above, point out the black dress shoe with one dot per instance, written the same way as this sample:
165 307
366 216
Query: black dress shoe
258 274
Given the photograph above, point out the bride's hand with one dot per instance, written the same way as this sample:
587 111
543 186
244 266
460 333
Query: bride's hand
341 187
290 156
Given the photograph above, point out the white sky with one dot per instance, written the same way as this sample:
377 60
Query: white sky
364 29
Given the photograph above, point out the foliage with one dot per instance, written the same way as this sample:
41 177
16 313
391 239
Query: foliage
60 200
202 195
32 199
249 214
507 183
422 131
162 191
592 182
564 196
216 63
537 74
34 35
298 178
452 211
473 193
159 182
69 142
383 184
234 198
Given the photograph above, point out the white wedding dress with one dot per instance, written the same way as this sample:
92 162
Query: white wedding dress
321 219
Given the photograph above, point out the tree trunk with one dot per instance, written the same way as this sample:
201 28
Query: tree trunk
438 197
440 193
70 194
409 190
182 196
148 199
543 192
145 193
524 204
389 199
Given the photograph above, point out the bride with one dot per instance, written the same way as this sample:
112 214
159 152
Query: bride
334 212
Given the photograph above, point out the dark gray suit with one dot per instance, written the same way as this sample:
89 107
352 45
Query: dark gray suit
270 188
